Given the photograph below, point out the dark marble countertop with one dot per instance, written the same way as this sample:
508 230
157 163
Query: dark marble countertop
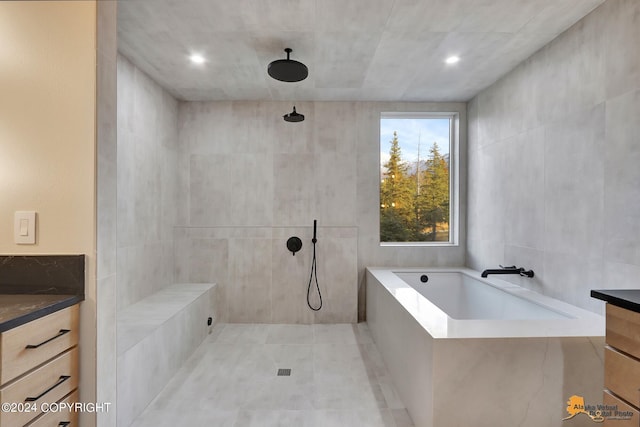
18 309
624 298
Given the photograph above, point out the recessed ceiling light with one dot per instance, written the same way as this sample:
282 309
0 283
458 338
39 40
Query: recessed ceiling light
452 59
196 58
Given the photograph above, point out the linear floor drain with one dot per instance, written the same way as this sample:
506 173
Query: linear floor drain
284 372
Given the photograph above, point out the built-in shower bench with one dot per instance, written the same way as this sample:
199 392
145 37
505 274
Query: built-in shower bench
155 337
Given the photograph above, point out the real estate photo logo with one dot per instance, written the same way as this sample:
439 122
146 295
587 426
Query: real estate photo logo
597 413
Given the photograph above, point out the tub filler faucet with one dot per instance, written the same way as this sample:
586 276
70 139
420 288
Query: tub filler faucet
508 270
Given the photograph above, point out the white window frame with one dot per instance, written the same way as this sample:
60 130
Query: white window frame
454 174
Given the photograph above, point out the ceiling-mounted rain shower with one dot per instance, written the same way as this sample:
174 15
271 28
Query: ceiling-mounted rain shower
294 116
288 70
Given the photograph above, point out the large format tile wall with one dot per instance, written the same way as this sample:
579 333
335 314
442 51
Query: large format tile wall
238 184
553 161
106 210
147 161
249 181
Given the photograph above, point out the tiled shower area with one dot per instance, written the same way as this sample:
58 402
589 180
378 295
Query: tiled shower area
209 193
337 378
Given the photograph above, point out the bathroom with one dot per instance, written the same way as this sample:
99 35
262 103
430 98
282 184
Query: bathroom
209 190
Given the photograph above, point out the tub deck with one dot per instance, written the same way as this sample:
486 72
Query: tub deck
484 372
561 319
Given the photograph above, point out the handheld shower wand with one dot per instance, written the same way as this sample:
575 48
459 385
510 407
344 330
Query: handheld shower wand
315 225
314 272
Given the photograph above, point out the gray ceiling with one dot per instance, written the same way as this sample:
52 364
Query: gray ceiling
378 50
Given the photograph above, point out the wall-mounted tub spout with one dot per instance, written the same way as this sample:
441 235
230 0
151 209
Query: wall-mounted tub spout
508 270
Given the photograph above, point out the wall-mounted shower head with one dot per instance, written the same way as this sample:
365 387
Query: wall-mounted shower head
293 116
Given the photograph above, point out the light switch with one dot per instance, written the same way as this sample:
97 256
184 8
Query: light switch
24 227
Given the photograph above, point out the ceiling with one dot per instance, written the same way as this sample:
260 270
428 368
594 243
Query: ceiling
373 50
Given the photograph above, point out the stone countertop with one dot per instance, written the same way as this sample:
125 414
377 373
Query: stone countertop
624 298
18 309
42 274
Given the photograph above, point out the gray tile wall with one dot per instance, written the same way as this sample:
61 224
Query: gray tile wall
249 181
106 251
147 161
211 191
554 182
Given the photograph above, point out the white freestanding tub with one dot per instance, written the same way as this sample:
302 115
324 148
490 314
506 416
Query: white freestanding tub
468 351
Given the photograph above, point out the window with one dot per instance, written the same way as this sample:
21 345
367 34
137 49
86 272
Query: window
418 182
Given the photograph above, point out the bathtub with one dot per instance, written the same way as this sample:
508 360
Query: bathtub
463 350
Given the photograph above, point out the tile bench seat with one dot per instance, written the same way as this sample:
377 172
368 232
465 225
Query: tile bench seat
155 337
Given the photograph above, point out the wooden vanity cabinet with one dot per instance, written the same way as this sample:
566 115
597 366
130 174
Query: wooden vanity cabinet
38 367
622 364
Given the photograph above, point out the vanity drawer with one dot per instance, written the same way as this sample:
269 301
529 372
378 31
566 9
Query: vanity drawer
622 375
610 400
623 330
62 417
46 384
29 345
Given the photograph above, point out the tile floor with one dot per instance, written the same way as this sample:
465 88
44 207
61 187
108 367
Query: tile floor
337 379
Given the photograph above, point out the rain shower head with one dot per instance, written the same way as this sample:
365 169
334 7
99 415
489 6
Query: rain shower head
288 70
293 116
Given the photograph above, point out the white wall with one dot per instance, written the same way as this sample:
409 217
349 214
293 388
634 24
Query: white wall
147 154
47 123
553 161
249 181
48 139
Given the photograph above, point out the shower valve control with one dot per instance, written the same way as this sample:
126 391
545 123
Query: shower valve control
294 244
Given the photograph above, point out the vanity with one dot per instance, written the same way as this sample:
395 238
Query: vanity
39 335
622 355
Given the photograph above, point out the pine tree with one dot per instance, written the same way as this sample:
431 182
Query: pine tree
434 197
396 204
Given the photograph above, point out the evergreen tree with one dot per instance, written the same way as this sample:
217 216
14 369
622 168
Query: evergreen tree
435 195
392 227
396 204
414 201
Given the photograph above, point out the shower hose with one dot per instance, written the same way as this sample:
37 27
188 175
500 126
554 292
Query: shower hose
314 273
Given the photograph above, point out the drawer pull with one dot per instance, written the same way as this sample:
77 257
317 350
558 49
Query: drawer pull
61 333
62 379
64 423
